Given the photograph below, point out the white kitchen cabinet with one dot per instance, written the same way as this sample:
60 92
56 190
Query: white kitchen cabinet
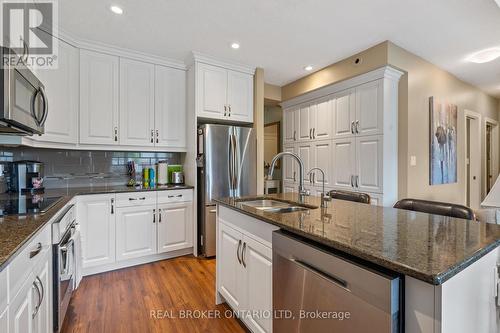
42 321
135 231
240 96
290 121
322 118
289 165
170 107
62 90
99 98
175 226
345 114
289 187
21 309
258 279
322 158
369 163
4 320
369 108
304 124
229 263
96 215
305 152
137 103
223 94
344 163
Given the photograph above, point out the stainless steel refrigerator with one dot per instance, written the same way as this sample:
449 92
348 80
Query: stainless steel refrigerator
226 168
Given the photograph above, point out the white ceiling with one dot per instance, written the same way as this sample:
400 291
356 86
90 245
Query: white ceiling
282 36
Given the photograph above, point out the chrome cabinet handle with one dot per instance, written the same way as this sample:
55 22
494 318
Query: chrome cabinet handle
352 127
314 133
352 181
357 127
229 107
116 134
157 137
357 181
36 251
152 135
26 51
154 215
329 277
294 135
112 206
132 199
45 106
159 215
294 176
243 250
35 285
43 291
238 251
310 133
225 110
175 196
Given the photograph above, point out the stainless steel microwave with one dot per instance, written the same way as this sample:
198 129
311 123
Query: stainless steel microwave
24 105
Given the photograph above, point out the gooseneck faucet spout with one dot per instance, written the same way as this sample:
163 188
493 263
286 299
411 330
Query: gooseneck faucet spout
302 190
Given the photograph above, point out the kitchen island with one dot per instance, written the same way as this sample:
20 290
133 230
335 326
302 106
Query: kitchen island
447 266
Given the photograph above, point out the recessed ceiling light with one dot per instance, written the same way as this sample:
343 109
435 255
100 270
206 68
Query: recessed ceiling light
486 55
235 45
308 68
116 10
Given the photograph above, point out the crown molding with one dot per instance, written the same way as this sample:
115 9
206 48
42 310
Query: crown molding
206 59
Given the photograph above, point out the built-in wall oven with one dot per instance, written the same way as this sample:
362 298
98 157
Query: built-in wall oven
63 264
24 105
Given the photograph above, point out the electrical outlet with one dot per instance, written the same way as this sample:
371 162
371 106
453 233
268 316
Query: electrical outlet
413 160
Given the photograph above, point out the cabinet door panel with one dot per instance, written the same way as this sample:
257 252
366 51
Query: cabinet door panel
135 232
289 187
369 108
322 119
259 281
97 229
175 227
21 309
290 125
369 163
170 107
344 163
305 152
344 114
323 160
212 89
304 123
99 93
289 169
42 322
240 96
137 82
4 320
230 270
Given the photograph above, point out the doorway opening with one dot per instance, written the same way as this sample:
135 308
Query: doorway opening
491 154
472 159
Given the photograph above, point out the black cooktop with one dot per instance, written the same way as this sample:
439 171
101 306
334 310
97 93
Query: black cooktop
27 204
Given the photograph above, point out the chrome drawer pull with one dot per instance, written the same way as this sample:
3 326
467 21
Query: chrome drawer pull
330 278
131 199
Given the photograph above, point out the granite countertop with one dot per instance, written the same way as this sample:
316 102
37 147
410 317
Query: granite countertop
431 248
17 230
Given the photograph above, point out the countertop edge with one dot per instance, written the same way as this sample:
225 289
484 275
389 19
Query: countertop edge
434 279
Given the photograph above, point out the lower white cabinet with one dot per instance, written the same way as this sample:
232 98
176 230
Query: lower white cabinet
135 231
4 320
42 322
96 215
21 309
175 226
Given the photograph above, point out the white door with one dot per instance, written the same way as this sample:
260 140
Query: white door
96 215
21 309
322 158
259 281
240 96
322 119
230 268
288 166
290 125
135 231
305 152
369 108
42 322
344 163
170 107
175 226
212 91
369 163
304 123
344 115
99 91
137 98
62 89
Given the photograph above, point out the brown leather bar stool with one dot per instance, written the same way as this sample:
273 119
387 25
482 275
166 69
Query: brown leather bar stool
350 196
438 208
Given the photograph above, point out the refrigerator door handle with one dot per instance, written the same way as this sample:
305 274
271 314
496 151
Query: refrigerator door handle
234 176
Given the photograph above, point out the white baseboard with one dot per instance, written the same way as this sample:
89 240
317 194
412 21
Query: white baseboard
136 261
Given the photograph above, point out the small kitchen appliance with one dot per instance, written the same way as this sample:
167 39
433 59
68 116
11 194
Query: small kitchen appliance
26 176
177 177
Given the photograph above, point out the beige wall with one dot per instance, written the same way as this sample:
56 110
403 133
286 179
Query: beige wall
258 125
272 93
422 80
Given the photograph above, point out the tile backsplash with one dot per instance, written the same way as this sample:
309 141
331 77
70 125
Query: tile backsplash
75 168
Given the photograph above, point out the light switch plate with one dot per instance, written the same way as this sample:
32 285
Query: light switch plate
413 160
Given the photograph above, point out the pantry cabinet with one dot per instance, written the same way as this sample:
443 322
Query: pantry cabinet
344 116
135 231
99 98
137 103
222 91
290 123
175 226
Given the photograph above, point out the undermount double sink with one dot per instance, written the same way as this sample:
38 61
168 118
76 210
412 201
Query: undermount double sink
274 206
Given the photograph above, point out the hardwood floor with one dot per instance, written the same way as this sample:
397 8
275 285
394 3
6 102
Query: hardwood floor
146 298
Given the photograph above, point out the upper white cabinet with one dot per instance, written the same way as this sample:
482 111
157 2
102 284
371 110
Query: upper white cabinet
62 89
322 118
99 102
290 124
304 122
369 108
170 107
137 103
222 91
344 117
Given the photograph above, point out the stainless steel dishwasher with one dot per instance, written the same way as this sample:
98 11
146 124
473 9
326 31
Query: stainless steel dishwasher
317 291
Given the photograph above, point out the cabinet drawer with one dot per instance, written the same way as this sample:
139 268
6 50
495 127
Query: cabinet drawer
23 264
135 199
4 299
175 196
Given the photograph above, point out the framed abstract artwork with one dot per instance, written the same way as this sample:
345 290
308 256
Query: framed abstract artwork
443 142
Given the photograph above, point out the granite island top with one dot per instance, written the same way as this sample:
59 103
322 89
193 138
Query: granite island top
431 248
17 230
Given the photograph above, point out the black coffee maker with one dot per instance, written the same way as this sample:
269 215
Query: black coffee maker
26 176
